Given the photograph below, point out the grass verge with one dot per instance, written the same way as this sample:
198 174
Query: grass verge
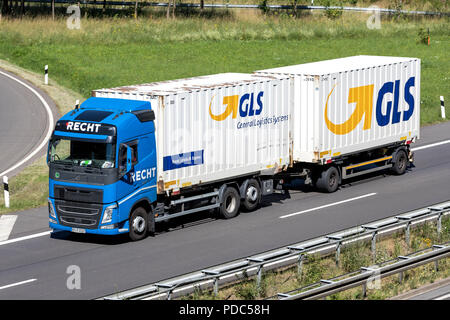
352 259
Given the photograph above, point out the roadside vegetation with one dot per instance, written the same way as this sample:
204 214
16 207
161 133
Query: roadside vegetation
352 259
116 50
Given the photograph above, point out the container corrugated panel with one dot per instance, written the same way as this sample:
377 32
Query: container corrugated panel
216 127
347 105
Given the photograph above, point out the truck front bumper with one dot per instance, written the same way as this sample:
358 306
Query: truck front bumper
114 231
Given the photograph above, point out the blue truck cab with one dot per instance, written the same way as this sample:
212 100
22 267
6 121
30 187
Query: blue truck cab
102 168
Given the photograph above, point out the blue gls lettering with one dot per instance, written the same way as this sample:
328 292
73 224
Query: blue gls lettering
409 98
395 114
244 106
392 106
247 102
383 119
259 102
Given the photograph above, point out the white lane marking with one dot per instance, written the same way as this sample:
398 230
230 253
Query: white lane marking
17 284
6 225
430 145
329 205
50 125
443 297
36 235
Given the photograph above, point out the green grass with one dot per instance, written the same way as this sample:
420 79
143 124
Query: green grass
114 52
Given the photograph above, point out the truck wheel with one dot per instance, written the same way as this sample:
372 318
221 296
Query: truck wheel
138 225
328 180
252 197
400 163
229 208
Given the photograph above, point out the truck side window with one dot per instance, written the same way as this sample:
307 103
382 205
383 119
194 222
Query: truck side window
123 153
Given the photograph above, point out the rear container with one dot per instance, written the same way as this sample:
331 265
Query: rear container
215 127
348 105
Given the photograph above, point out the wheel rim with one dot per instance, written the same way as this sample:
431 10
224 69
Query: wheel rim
230 204
401 162
139 224
252 194
332 180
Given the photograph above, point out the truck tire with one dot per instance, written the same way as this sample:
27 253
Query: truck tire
252 195
229 208
138 225
400 162
328 181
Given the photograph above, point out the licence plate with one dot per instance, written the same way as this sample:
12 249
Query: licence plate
78 230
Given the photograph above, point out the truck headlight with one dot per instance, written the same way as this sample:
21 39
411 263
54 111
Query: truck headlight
51 211
107 215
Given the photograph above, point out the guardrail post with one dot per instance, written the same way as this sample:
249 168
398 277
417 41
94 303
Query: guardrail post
259 276
300 266
373 246
338 241
259 272
439 225
400 274
216 279
408 233
216 286
436 262
408 228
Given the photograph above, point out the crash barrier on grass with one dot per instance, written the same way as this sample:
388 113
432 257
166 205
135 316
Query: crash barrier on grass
240 6
367 276
287 256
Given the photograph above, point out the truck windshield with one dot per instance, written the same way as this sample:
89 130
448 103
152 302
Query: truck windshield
82 153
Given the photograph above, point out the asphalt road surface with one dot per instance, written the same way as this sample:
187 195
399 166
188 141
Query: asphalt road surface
36 264
24 122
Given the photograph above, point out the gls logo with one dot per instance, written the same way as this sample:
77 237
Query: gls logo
363 97
246 105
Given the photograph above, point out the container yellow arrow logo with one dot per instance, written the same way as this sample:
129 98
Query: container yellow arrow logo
231 102
363 97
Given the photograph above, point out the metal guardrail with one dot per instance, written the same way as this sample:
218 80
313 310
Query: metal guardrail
241 6
294 254
324 288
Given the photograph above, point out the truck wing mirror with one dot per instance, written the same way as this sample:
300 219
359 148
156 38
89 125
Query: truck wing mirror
129 159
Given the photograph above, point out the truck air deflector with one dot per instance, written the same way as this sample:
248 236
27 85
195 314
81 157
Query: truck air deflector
93 115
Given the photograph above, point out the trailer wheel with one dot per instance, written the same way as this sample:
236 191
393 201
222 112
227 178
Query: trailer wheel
400 163
229 208
138 225
328 180
252 195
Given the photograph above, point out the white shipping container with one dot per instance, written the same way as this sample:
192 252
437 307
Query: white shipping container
215 127
347 105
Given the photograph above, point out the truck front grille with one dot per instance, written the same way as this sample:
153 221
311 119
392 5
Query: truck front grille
78 214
